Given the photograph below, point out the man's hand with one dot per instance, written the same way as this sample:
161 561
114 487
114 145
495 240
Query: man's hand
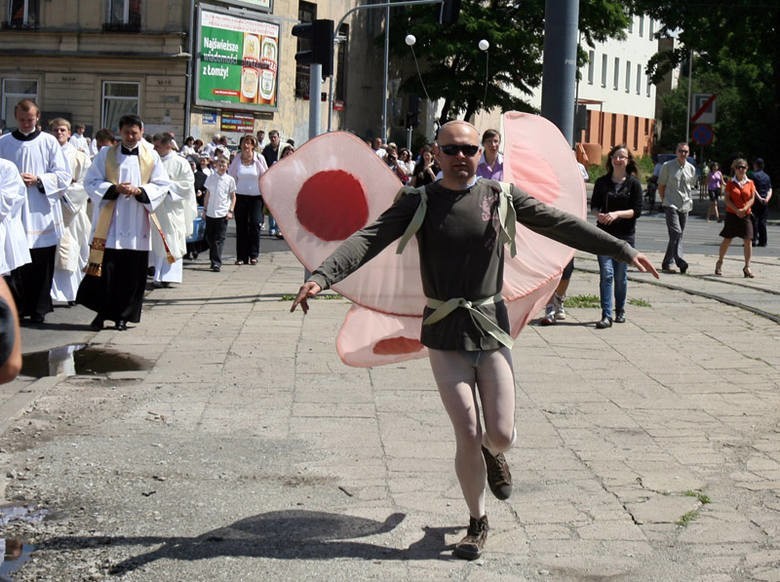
29 179
308 289
127 189
642 263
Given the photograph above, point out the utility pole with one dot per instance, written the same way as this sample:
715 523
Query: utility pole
559 69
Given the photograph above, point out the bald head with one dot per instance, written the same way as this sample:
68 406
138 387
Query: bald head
457 150
454 126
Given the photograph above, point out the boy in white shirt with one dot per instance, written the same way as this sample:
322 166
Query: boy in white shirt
218 203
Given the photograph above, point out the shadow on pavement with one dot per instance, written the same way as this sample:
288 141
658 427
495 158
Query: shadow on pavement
284 535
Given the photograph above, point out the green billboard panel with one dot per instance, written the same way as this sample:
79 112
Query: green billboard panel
237 62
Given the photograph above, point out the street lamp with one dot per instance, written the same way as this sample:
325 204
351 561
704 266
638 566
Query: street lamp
484 45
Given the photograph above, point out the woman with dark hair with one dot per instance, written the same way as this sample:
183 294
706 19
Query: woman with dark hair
617 203
426 169
247 168
739 197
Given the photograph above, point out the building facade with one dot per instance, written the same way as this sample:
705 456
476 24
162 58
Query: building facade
616 102
176 63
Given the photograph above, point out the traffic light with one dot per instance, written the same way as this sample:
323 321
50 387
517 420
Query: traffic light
450 9
318 37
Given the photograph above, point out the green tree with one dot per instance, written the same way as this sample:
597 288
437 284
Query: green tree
737 55
453 67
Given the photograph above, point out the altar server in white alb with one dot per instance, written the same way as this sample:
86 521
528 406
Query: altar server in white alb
175 215
126 182
14 251
73 249
46 174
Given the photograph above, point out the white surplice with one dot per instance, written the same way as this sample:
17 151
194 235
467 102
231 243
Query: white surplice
14 250
73 248
40 155
176 214
130 228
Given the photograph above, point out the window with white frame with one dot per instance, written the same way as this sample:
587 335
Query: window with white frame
641 25
23 13
604 60
119 98
638 79
628 76
14 90
616 80
650 31
648 85
123 15
591 66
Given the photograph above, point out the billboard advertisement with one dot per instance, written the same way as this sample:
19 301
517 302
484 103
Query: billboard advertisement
237 61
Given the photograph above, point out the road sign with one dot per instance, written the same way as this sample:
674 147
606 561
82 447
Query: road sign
702 134
703 108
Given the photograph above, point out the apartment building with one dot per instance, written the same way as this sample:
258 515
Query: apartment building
191 67
616 102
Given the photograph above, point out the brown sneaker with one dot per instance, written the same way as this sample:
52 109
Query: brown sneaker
471 546
498 476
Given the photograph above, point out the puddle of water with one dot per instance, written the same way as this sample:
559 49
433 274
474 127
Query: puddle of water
15 554
80 359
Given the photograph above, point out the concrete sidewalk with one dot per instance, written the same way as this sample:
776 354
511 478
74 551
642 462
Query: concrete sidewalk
648 451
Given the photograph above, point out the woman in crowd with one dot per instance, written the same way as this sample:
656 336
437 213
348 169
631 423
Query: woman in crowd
188 149
714 188
405 161
739 196
247 169
617 203
426 169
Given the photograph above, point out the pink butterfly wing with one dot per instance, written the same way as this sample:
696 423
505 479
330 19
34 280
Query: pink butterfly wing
334 184
539 161
331 187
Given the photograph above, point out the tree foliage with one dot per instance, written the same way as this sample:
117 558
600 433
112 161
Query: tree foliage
454 69
737 56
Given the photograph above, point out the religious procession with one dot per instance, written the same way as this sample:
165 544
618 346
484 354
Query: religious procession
88 220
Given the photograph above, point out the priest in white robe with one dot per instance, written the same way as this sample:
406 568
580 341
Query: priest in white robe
126 182
73 249
14 250
175 215
45 172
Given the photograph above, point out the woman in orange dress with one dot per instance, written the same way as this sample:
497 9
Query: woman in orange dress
739 195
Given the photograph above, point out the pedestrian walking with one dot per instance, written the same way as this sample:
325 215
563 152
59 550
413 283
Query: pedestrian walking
247 168
126 182
740 196
73 248
219 201
461 234
617 203
715 185
676 184
760 208
46 174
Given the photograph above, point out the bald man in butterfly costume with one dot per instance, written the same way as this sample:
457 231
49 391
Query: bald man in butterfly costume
462 225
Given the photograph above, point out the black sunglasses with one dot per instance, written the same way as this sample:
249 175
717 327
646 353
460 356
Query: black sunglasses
467 150
741 167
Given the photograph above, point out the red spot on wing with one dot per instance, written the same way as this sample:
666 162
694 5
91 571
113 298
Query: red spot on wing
397 345
332 205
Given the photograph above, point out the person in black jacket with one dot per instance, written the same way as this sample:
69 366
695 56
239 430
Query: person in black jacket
617 203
